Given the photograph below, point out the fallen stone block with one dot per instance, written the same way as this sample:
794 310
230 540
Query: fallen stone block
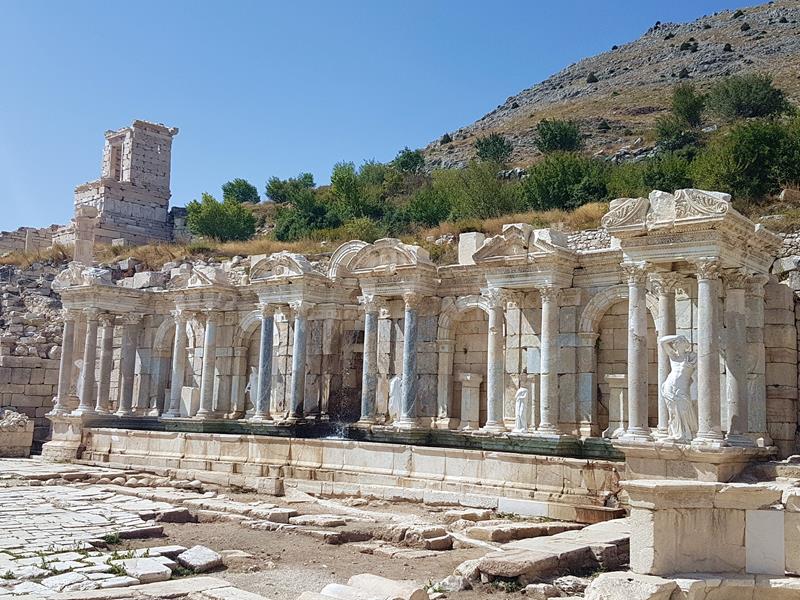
199 559
518 562
470 514
59 582
345 592
454 583
168 551
444 542
146 570
629 586
176 515
230 593
541 591
118 582
318 520
387 588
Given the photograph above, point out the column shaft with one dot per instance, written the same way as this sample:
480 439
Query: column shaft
548 356
369 368
106 364
735 365
637 429
708 388
128 364
408 394
209 368
178 365
495 361
297 409
262 406
88 391
61 401
665 284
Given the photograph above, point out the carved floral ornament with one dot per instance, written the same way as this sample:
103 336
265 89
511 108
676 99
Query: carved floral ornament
495 297
707 268
371 303
737 279
662 209
636 271
280 265
667 282
519 240
549 293
413 300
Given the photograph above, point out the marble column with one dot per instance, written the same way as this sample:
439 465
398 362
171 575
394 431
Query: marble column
408 393
208 375
756 360
548 355
664 285
130 334
88 391
369 368
709 430
179 343
736 394
61 403
263 394
298 390
106 363
637 429
495 360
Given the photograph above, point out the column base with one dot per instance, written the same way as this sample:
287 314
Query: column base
209 416
636 434
496 428
78 412
551 432
407 424
170 414
124 413
365 422
259 418
659 433
739 441
709 443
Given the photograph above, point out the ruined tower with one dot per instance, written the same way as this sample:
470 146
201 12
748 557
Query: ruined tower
132 194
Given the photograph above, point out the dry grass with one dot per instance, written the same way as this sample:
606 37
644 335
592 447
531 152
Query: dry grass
57 253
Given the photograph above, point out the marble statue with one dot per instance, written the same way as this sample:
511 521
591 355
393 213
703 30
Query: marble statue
251 389
522 402
676 388
395 391
77 386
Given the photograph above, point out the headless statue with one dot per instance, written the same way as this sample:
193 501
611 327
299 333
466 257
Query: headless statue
522 406
676 389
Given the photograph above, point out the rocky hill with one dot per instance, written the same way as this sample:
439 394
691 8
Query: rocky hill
617 95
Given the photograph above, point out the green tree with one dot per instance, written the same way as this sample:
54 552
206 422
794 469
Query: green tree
668 171
240 190
626 180
409 161
494 148
746 96
565 180
356 192
307 213
285 190
429 206
555 135
688 104
673 133
223 221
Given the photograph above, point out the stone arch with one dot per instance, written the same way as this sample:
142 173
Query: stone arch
601 302
247 324
340 260
162 339
451 309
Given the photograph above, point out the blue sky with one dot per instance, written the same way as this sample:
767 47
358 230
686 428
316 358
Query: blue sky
271 88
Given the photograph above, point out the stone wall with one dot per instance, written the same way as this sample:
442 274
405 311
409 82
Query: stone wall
27 239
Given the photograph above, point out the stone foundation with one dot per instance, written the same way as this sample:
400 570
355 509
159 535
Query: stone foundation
555 487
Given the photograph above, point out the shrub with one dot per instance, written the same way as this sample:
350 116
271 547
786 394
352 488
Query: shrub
668 171
409 161
688 104
446 139
672 133
626 180
557 135
565 180
592 78
745 26
428 207
751 160
363 229
727 47
240 190
356 193
494 148
746 96
224 221
285 190
476 191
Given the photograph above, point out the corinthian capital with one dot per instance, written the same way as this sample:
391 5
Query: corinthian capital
707 268
301 308
666 282
495 297
549 293
413 300
636 271
371 303
736 279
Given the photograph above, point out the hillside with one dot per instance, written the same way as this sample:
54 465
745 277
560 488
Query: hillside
634 81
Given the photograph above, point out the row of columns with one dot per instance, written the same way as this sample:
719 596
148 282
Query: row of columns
496 300
709 330
93 395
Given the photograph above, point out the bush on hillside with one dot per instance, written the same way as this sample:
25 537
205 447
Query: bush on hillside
688 104
565 180
751 160
672 133
240 190
668 171
557 136
428 207
409 161
746 96
223 221
476 191
494 148
285 190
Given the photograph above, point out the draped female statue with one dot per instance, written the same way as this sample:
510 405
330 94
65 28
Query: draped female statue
676 389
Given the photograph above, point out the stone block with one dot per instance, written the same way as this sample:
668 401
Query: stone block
199 559
387 588
764 542
146 570
629 586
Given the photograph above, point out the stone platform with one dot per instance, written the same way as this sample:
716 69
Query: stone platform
555 487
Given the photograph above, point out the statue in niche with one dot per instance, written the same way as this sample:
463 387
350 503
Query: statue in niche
521 410
77 386
395 386
676 388
251 389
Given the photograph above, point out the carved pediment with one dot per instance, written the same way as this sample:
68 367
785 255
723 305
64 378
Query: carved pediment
519 240
76 274
341 259
387 254
279 265
179 277
626 213
206 275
